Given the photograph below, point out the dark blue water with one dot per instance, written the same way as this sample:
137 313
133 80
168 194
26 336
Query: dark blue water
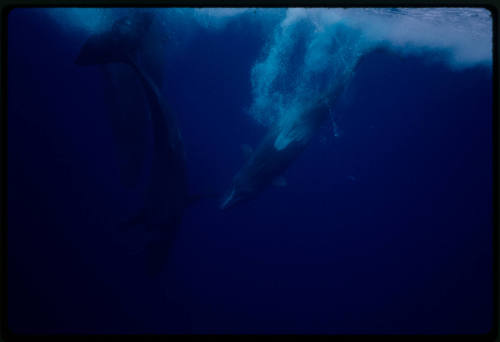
385 229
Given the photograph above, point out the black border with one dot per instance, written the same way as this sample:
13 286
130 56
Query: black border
8 5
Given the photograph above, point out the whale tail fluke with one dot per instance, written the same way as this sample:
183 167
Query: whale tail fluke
117 45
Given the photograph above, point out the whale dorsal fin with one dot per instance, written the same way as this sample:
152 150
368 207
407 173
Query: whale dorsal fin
247 150
279 181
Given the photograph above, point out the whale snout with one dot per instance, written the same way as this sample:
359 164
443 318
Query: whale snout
228 200
236 195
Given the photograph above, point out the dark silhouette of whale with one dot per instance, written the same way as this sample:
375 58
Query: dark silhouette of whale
282 144
126 106
275 153
166 196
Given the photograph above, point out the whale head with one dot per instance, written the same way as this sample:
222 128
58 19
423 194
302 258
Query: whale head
230 198
236 194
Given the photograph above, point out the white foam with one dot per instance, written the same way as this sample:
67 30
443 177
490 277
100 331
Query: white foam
217 18
328 41
335 40
89 20
467 32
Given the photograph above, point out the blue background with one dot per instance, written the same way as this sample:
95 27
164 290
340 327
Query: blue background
385 229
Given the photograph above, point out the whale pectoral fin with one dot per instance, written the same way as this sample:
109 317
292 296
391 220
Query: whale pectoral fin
247 150
281 141
279 181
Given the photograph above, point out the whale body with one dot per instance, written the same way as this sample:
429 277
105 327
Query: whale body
276 152
166 195
283 143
